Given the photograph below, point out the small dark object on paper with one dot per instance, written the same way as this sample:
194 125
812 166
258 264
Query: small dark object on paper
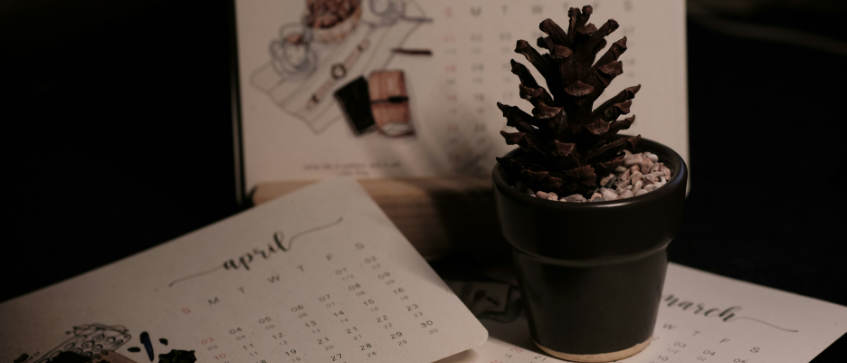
106 356
148 346
70 357
178 356
354 99
411 51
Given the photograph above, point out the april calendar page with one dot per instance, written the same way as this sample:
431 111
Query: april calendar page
319 276
382 88
703 318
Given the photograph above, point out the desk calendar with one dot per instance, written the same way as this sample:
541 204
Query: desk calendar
318 276
432 72
703 318
322 275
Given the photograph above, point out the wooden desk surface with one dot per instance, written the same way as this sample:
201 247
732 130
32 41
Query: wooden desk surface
437 215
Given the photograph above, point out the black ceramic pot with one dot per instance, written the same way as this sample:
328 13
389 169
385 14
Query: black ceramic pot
592 273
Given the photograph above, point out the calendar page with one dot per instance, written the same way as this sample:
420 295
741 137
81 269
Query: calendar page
386 88
318 276
703 318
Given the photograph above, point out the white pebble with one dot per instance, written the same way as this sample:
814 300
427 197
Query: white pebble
650 187
552 196
626 194
533 195
633 159
542 195
653 157
646 166
595 196
574 198
606 179
608 194
637 187
620 169
636 177
640 192
667 172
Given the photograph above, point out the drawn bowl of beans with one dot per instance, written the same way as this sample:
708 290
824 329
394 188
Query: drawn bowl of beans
331 20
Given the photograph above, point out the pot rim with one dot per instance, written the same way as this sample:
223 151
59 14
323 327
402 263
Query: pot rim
591 262
644 144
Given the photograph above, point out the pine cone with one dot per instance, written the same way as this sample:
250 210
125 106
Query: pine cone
567 145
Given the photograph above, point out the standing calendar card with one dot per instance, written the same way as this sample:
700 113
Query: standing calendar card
320 276
392 88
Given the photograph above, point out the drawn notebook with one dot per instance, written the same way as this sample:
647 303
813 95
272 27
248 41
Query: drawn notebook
320 275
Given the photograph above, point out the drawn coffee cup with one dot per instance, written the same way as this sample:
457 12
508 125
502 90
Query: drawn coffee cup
291 55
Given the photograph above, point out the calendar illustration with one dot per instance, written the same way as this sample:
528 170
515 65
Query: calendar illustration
89 340
313 57
394 88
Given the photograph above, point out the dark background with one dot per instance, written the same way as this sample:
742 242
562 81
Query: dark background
118 136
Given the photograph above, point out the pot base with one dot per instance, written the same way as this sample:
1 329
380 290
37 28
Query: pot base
601 357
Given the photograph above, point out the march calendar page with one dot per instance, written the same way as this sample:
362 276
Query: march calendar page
388 88
703 318
317 276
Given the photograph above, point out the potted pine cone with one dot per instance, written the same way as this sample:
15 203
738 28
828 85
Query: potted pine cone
589 213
